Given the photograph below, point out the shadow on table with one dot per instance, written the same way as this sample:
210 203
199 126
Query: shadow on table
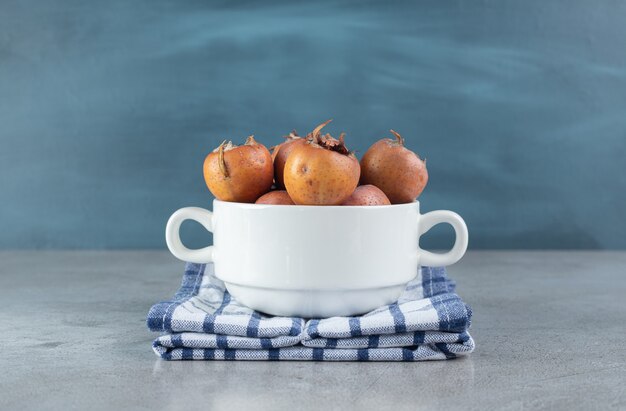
267 385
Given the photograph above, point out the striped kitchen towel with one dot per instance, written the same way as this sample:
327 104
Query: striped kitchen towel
203 322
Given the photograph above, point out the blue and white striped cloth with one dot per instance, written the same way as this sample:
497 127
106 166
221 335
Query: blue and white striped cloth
203 322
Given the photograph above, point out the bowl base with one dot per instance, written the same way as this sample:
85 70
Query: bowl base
314 303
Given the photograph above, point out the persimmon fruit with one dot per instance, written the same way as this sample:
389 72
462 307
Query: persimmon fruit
239 173
281 153
321 171
367 195
277 197
396 170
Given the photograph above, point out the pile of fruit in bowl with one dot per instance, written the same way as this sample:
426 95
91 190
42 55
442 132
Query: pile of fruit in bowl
316 169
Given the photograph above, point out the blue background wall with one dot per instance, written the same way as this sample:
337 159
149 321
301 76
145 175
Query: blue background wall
107 109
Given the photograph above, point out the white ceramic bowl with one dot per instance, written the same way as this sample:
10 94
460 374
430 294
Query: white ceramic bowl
315 261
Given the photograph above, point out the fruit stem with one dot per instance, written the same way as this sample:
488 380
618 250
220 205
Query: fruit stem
250 140
220 159
398 137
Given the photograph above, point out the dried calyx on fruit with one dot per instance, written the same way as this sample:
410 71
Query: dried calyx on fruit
225 146
239 173
321 170
330 143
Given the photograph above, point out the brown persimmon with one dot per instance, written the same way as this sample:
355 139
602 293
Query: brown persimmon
321 171
239 173
281 153
367 195
395 169
277 197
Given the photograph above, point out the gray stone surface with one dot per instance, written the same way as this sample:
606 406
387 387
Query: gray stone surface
549 328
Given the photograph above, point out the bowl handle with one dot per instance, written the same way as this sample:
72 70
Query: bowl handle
431 219
172 234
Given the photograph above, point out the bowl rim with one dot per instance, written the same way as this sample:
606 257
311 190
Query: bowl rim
319 207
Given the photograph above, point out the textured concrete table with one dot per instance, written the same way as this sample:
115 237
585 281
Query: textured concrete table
549 326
